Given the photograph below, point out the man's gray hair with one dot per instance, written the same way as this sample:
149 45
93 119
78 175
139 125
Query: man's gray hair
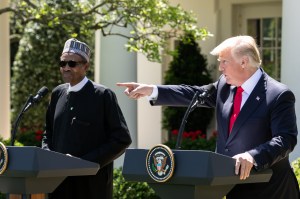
240 46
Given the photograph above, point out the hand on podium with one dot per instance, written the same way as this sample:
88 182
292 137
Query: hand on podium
243 165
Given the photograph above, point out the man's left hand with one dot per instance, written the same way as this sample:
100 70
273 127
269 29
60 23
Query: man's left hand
243 165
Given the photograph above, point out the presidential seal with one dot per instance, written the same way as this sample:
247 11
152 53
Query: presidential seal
3 158
160 163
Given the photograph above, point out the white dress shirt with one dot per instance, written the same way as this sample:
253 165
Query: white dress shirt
78 86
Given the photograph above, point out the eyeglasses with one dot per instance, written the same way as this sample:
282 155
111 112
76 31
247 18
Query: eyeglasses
70 63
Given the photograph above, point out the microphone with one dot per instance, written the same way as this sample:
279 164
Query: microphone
208 90
202 98
30 102
193 104
40 94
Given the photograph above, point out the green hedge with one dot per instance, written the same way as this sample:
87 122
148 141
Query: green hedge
189 67
131 190
296 168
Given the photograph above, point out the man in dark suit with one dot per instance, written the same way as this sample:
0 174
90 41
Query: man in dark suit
84 120
255 117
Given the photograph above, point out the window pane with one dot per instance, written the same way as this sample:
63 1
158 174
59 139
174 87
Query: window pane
279 64
279 32
253 29
267 32
269 59
269 36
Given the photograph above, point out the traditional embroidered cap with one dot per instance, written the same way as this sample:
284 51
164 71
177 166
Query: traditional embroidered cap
75 46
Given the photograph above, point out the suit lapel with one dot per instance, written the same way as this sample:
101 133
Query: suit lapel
227 110
255 99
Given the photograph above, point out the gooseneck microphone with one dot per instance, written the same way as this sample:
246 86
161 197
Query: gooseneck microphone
208 90
36 99
29 103
197 99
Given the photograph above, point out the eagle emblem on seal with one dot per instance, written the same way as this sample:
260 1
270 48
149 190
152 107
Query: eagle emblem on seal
160 163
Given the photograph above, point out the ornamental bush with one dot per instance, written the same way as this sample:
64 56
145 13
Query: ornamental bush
29 137
131 190
193 140
296 168
188 67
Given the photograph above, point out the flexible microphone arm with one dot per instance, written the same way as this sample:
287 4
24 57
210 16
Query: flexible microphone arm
193 104
29 103
209 89
16 124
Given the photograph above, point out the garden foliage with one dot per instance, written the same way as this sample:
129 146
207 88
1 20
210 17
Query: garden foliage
188 67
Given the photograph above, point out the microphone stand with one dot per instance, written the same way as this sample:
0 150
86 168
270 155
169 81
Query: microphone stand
16 124
193 104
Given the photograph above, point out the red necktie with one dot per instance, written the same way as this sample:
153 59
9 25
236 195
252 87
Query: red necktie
236 107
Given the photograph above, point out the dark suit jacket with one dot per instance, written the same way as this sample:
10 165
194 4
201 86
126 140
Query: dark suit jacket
265 127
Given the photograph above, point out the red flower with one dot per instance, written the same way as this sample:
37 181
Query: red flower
22 130
38 135
215 133
186 134
175 132
39 132
198 132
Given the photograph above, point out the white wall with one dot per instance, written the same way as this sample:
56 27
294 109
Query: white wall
149 128
290 62
149 117
206 13
5 73
114 64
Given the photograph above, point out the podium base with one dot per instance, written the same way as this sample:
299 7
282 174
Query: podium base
172 191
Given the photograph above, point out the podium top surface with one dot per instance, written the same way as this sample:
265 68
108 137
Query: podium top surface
31 161
191 167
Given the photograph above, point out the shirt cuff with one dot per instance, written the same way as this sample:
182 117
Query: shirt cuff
254 162
154 94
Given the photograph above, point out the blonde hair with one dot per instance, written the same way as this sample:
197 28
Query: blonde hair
240 46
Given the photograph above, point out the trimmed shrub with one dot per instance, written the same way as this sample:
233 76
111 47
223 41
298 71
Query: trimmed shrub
131 190
296 168
188 67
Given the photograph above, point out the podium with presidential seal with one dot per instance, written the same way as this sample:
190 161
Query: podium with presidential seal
189 174
31 170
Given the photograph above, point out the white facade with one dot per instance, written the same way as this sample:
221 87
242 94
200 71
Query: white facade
223 18
5 73
290 56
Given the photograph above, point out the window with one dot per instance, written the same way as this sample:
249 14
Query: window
267 32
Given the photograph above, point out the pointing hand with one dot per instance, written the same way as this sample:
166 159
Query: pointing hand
136 90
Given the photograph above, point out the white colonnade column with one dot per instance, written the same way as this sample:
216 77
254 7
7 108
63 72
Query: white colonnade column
5 73
290 64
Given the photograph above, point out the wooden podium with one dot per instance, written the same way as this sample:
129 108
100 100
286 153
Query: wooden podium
32 170
197 174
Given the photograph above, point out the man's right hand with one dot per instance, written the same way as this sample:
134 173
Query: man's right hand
136 90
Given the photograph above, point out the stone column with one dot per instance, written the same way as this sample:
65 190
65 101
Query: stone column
290 62
114 64
5 73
